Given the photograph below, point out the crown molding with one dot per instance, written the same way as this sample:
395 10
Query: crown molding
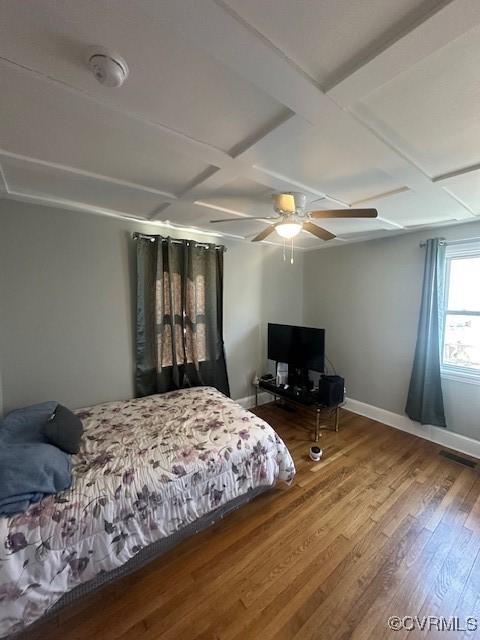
72 205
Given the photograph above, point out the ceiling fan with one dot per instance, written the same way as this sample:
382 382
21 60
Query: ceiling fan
291 217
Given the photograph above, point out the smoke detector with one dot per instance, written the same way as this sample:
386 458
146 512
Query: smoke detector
109 68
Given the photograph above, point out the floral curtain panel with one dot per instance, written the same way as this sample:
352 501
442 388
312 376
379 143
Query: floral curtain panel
179 316
183 328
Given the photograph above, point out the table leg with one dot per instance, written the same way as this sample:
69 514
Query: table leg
337 415
317 426
256 395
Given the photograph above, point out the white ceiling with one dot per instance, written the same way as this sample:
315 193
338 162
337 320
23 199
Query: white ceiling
432 108
230 100
328 39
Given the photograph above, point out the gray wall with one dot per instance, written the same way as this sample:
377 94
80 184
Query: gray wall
67 306
67 296
367 296
259 288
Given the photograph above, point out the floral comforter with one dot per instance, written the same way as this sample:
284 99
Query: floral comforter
147 468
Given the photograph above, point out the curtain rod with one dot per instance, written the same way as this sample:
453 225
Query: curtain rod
461 241
423 243
205 245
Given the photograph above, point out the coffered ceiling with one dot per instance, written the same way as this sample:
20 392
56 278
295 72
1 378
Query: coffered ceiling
370 102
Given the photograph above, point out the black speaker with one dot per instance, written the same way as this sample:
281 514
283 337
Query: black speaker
331 390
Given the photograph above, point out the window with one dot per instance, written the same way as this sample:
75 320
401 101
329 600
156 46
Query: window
189 321
461 342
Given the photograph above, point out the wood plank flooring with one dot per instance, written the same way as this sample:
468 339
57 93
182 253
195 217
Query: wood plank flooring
382 526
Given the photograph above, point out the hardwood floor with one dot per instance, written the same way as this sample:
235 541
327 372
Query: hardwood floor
382 526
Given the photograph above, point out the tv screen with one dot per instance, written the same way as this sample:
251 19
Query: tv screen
302 347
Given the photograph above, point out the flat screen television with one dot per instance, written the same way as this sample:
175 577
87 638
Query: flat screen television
300 347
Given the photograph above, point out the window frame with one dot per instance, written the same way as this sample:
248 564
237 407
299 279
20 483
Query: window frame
456 251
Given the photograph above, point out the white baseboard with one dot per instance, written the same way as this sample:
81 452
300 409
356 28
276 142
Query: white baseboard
249 401
441 436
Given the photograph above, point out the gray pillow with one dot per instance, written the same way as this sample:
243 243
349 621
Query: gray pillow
64 429
27 424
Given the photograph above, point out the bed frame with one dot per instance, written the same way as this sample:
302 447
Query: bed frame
142 558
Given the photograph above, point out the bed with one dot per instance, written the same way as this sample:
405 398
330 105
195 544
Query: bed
150 471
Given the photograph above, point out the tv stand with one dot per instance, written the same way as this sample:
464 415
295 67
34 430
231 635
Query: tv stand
302 397
298 377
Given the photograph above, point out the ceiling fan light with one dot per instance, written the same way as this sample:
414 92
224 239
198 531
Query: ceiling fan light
288 229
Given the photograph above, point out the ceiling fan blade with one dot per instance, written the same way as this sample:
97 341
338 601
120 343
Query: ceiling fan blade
345 213
318 231
266 232
243 218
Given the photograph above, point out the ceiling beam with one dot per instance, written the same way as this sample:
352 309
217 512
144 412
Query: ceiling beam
70 205
177 140
3 181
404 167
74 205
57 166
464 171
281 182
219 31
447 24
216 29
244 166
381 196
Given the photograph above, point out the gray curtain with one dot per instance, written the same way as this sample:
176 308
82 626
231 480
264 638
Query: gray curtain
179 324
425 398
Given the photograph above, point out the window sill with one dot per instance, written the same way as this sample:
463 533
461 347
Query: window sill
461 375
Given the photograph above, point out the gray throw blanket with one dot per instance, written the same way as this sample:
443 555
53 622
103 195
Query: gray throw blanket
28 472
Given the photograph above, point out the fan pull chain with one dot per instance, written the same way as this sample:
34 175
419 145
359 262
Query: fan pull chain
293 245
284 249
